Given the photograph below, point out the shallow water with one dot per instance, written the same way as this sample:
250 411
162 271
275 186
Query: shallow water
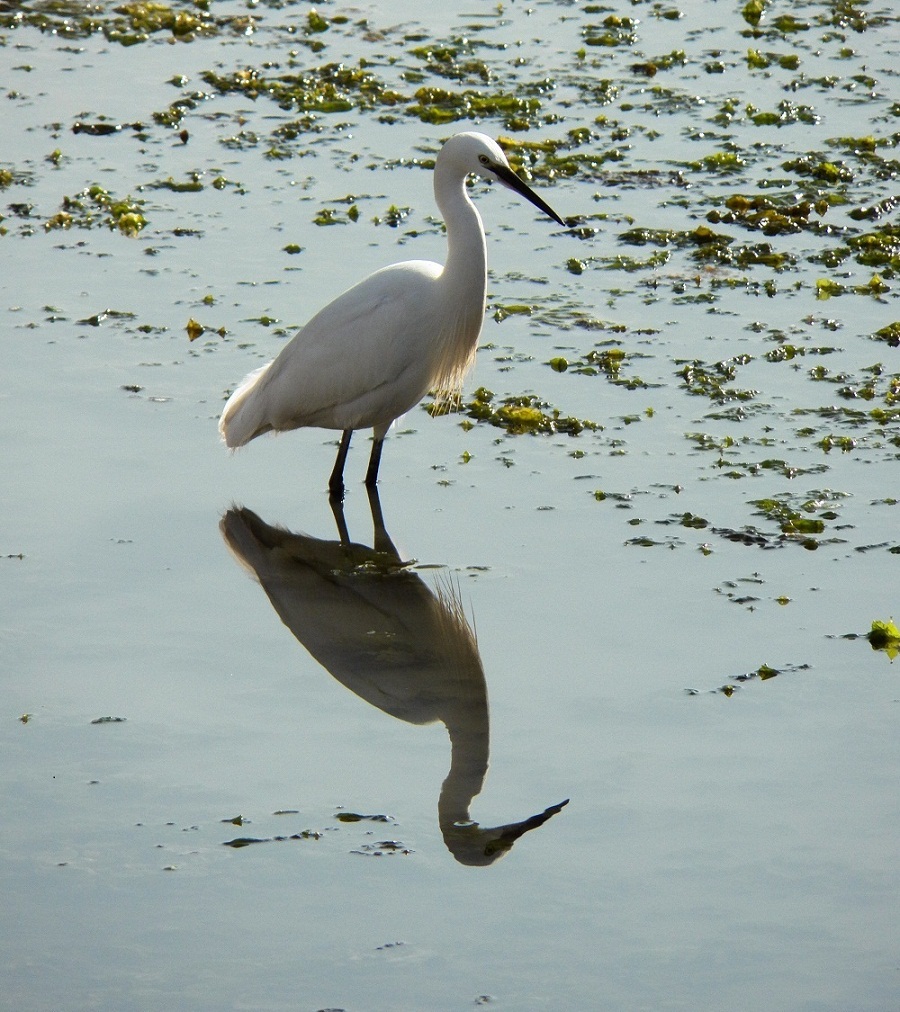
730 839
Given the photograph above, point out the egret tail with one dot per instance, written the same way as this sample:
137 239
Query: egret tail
244 416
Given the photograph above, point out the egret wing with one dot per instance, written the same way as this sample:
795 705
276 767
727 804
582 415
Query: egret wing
362 360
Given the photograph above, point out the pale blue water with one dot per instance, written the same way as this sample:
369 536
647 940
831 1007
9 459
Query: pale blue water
717 851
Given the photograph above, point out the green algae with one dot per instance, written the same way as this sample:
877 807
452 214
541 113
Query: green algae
441 105
890 334
743 256
702 379
606 362
454 59
700 236
730 462
785 114
315 23
879 249
612 32
330 88
772 215
759 60
885 636
764 673
394 216
356 817
239 842
503 312
144 18
331 216
707 246
872 212
752 11
788 352
819 169
827 288
694 522
571 157
9 177
718 444
787 24
192 185
517 415
791 520
720 161
127 24
95 206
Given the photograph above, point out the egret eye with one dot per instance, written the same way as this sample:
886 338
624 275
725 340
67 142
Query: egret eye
484 160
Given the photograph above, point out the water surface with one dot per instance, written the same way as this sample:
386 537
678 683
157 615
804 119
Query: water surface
613 603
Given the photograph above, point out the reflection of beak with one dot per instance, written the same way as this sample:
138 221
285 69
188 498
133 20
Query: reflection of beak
506 176
512 833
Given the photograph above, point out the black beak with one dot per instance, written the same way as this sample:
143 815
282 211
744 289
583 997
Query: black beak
510 179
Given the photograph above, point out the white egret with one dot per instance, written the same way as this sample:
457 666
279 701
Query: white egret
377 349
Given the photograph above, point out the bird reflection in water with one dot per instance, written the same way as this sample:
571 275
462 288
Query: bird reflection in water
373 624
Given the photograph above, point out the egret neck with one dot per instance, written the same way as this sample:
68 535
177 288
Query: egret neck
463 281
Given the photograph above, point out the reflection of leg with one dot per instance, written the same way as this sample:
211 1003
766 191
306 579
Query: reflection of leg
374 461
336 481
381 539
337 508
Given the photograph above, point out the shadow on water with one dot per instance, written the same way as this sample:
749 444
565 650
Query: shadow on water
374 625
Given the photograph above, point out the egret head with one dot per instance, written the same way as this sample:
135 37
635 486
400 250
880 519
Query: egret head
477 153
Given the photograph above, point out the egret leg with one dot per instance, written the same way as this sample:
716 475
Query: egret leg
336 481
374 461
